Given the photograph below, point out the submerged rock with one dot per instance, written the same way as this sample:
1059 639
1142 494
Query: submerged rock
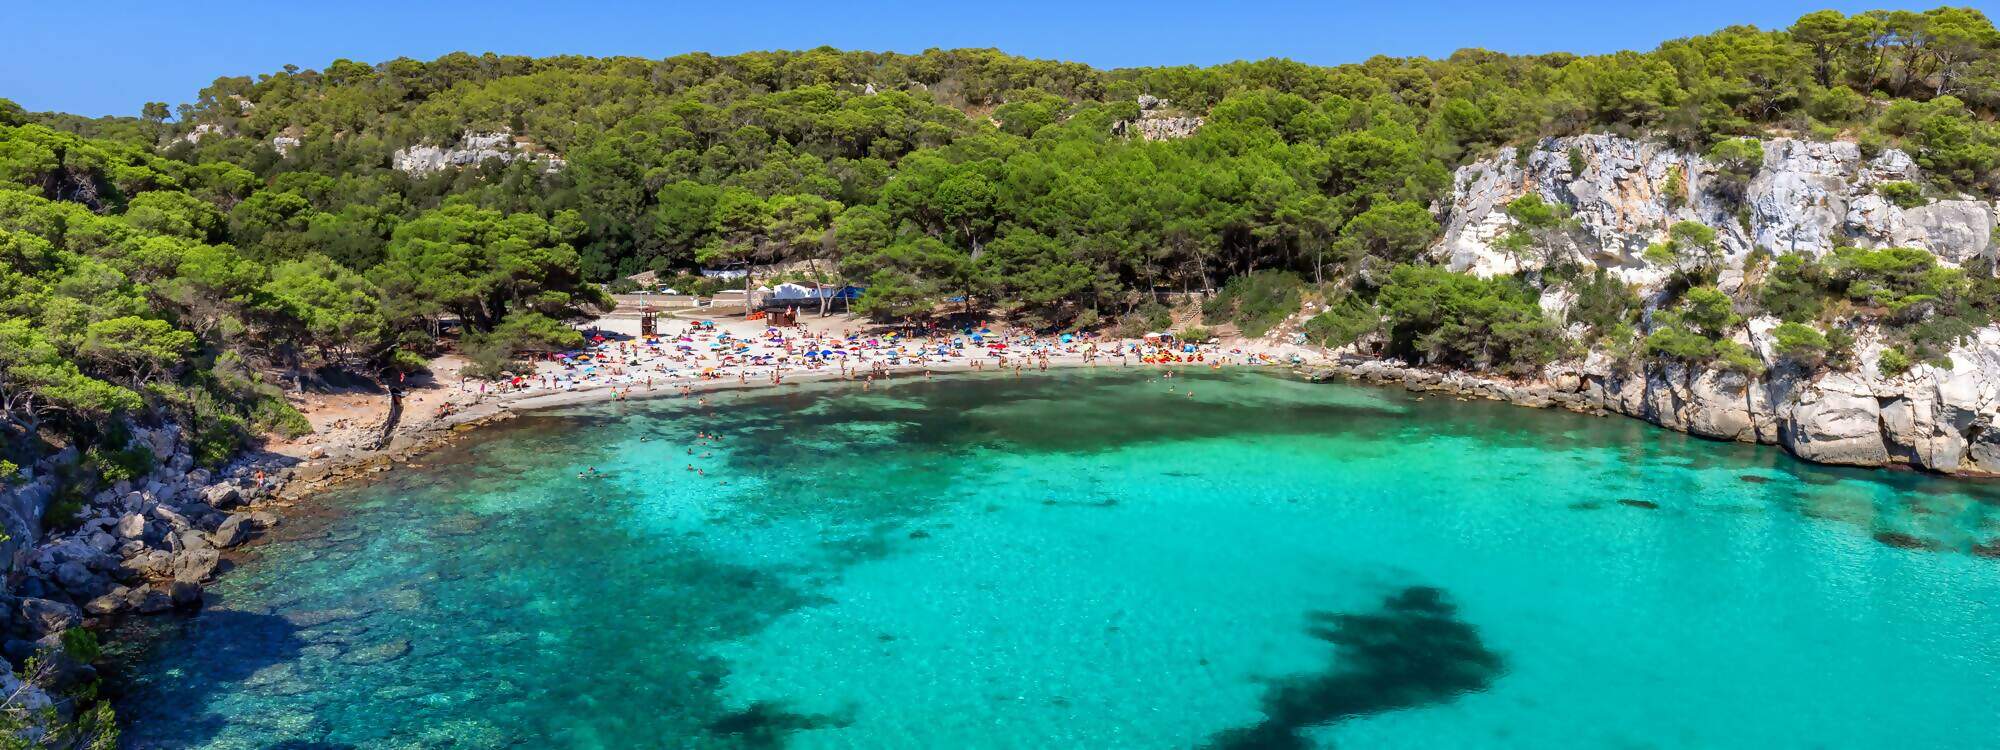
380 653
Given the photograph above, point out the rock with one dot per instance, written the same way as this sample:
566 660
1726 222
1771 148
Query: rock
184 595
221 496
234 531
380 653
150 600
264 520
1804 195
154 564
195 565
172 517
131 526
115 602
102 542
78 579
1838 422
473 148
43 616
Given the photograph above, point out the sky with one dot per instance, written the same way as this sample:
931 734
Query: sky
105 57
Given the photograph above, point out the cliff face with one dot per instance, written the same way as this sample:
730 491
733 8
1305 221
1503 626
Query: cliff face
1805 198
472 149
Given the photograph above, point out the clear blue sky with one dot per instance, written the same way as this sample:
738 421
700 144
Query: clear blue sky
98 57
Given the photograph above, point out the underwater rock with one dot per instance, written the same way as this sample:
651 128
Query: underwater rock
380 653
1414 652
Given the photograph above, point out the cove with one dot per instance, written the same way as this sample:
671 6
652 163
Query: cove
1095 559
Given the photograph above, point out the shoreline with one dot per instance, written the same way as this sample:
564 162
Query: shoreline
317 476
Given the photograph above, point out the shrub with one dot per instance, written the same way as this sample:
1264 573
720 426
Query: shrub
1196 333
1464 321
1343 323
123 464
1905 281
81 645
1893 362
1794 289
1903 194
1603 302
1676 191
1734 357
1801 343
1709 311
1256 302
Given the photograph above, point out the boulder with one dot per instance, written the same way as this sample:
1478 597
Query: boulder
150 600
195 565
235 530
222 496
116 602
43 616
79 580
1837 421
184 595
131 526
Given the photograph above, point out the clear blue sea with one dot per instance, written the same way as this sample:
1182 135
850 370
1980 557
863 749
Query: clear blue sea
1096 560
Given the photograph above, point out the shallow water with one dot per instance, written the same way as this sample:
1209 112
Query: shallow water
1096 560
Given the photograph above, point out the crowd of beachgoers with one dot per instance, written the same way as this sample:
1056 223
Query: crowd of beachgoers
684 355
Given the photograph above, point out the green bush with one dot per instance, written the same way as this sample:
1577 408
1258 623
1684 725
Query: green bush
1255 302
1903 194
1801 343
81 644
1794 290
1459 320
1893 362
1603 302
1196 333
1343 323
122 464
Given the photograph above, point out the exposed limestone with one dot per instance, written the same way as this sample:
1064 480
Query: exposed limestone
1930 418
1804 197
473 148
1157 122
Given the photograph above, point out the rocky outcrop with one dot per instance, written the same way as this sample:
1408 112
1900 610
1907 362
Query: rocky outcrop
1157 122
473 148
1623 194
1930 418
1805 197
144 545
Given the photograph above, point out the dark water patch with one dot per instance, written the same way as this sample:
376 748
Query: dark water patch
1414 652
1586 505
1988 550
235 646
766 724
1632 503
1754 479
1901 540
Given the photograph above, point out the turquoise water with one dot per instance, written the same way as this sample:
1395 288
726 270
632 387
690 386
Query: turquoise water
1096 560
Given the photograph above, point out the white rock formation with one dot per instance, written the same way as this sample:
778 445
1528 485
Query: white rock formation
1805 197
473 148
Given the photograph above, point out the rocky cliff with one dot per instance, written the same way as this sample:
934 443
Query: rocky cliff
472 149
1805 197
1157 121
